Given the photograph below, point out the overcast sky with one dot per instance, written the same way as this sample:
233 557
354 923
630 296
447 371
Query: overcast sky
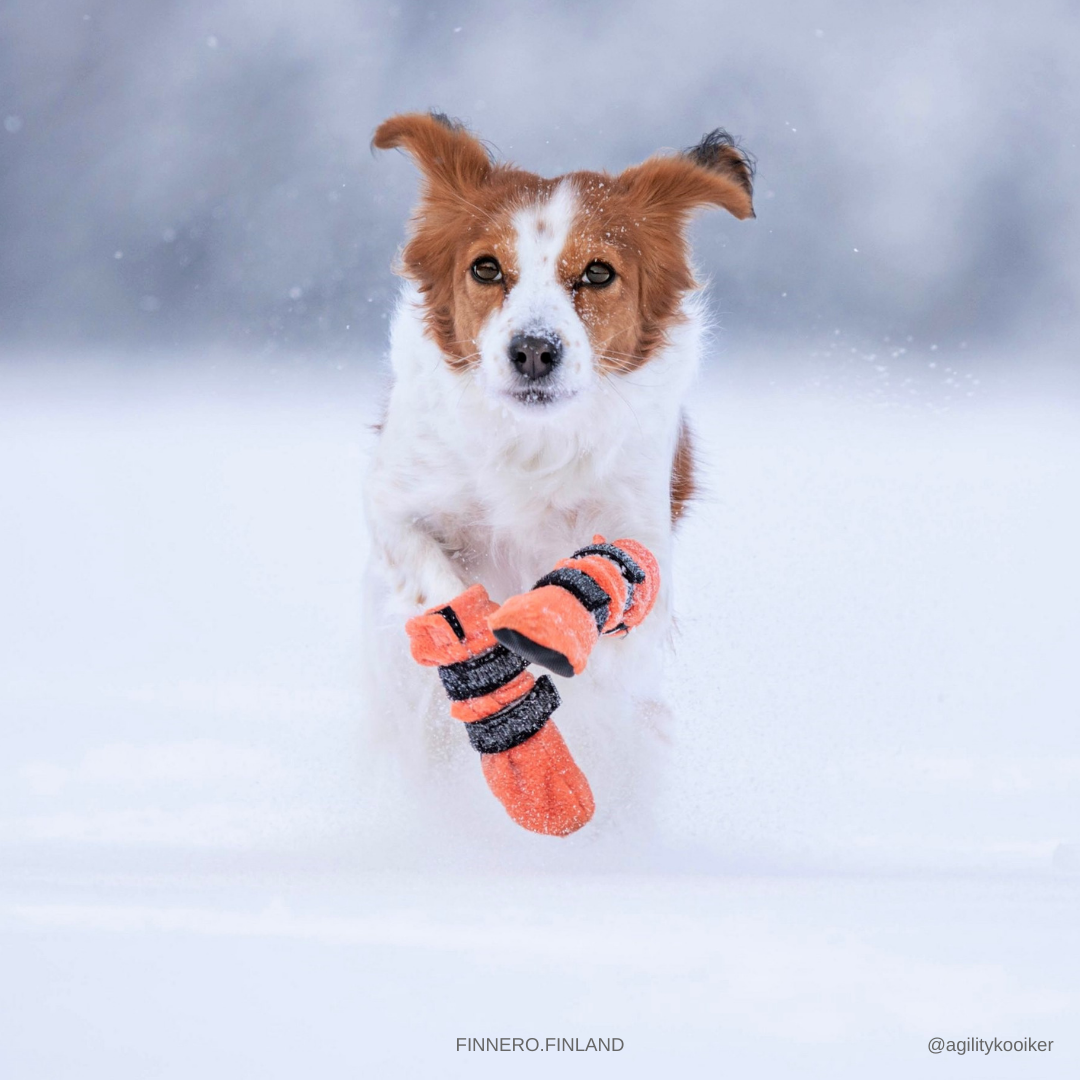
198 172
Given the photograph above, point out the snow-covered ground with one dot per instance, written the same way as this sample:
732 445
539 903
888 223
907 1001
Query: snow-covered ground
870 834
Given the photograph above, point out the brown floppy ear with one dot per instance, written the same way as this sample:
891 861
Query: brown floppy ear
447 154
713 173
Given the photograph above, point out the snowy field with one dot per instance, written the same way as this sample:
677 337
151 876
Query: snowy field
870 833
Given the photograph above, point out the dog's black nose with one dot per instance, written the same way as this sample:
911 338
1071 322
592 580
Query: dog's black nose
534 355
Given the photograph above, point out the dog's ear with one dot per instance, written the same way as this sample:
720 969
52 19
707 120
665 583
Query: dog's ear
447 154
715 172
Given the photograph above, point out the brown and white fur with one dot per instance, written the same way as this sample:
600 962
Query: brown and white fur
484 475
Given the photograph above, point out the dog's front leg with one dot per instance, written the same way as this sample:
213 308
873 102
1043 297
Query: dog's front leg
414 563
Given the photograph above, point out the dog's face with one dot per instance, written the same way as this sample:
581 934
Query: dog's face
540 289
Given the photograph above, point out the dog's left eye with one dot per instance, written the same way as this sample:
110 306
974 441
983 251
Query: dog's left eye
486 270
598 273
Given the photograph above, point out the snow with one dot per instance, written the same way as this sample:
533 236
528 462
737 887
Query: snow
869 834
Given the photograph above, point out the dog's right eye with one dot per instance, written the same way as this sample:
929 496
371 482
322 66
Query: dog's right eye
486 270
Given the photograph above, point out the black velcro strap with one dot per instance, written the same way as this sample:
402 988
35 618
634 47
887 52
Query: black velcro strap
630 569
591 597
450 616
511 726
480 675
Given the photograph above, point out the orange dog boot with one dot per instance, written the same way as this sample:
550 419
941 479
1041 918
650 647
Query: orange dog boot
601 589
507 715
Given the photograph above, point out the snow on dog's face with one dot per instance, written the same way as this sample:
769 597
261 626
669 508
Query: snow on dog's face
540 288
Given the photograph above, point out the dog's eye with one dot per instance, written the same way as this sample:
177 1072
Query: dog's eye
487 270
598 273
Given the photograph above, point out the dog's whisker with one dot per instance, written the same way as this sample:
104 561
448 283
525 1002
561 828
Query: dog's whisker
624 373
616 364
627 355
618 393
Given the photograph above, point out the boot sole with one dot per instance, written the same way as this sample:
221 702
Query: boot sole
534 652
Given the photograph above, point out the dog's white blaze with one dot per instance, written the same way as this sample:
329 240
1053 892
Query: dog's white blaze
539 300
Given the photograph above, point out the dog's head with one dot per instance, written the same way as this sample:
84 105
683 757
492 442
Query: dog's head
543 287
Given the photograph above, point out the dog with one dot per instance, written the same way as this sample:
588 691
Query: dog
542 348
